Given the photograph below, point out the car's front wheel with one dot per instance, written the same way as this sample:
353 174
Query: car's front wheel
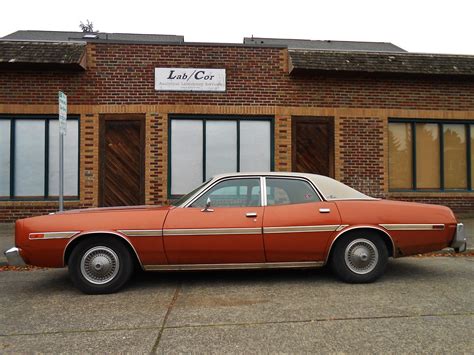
100 265
359 258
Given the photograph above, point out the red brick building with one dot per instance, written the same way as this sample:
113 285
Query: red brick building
392 124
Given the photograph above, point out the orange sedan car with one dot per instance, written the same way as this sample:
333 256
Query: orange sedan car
238 221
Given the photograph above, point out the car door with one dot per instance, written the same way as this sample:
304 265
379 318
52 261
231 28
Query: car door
297 223
227 231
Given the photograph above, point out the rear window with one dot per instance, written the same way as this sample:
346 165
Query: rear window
335 190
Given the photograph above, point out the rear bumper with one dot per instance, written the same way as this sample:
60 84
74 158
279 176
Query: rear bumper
14 257
459 242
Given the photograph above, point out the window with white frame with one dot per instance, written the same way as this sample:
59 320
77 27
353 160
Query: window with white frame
29 157
201 147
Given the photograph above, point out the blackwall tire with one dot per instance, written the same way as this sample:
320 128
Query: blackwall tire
360 257
100 265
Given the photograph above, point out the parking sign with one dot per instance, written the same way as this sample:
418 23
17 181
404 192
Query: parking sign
62 100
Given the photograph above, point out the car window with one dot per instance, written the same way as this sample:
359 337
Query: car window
289 191
188 195
232 193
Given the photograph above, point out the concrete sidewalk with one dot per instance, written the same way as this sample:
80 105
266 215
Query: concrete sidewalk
421 305
7 232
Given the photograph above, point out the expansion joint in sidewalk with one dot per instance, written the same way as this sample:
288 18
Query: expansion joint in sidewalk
168 312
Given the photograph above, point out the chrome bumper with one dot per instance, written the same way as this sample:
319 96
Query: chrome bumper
459 242
14 257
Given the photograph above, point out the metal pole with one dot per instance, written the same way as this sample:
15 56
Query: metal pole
61 171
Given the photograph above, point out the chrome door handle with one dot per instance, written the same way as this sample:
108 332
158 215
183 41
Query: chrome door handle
324 210
251 214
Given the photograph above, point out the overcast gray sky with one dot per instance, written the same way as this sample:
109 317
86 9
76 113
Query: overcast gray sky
416 25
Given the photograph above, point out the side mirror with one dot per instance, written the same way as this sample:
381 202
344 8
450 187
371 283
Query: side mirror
208 206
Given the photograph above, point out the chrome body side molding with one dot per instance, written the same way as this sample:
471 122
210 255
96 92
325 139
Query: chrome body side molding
341 227
52 235
211 231
141 232
234 266
412 227
301 229
252 231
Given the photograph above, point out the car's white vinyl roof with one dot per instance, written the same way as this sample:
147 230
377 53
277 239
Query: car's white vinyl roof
330 189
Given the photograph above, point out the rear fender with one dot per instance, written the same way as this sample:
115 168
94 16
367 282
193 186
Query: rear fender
347 229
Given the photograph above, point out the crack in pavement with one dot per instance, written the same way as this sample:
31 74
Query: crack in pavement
318 320
173 301
74 331
168 311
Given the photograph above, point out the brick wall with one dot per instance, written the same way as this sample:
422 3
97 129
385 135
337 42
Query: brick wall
282 139
124 74
361 154
11 211
89 161
120 78
156 162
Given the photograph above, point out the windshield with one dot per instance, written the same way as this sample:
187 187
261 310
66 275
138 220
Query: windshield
188 195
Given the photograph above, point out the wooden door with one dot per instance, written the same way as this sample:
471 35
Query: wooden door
313 145
122 160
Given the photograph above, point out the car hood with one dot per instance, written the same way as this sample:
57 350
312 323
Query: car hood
98 219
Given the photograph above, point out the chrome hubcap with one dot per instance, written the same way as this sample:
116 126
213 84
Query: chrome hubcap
100 265
361 256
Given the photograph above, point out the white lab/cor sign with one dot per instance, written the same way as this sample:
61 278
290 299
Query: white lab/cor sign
190 79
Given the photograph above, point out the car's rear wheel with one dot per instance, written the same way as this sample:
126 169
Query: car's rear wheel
360 257
100 265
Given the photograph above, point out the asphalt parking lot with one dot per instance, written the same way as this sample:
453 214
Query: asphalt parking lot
422 305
